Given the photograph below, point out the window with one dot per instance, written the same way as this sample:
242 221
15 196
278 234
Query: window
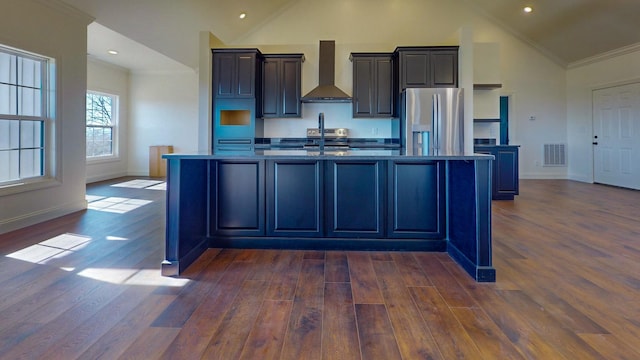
23 116
101 124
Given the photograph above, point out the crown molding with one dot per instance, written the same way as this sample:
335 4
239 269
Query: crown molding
605 56
67 9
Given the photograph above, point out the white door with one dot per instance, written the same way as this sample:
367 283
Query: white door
616 140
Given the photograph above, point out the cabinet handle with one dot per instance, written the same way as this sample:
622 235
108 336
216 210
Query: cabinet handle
595 143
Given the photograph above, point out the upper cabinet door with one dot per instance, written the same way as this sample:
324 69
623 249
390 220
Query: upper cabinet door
415 68
363 86
224 70
384 86
271 88
444 68
291 87
246 75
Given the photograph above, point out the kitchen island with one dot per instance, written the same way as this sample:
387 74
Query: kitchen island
329 200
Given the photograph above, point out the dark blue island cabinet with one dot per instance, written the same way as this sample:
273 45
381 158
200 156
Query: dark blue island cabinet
355 203
505 170
236 190
295 205
330 202
417 199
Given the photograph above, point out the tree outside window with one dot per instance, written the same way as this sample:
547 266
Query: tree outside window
101 124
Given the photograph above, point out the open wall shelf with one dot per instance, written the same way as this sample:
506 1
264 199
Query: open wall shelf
486 86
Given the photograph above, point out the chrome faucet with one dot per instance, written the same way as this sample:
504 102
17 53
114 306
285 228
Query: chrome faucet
321 129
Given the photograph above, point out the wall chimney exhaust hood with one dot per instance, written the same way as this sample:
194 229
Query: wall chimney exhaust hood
327 91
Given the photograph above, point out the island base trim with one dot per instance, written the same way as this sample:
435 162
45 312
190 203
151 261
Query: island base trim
478 272
346 244
174 268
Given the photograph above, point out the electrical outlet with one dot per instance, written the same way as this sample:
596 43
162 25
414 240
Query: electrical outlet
374 131
537 162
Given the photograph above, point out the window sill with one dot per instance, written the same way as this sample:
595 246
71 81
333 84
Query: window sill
28 185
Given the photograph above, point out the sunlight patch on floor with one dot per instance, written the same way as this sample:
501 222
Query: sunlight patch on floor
92 198
145 277
54 248
118 205
139 184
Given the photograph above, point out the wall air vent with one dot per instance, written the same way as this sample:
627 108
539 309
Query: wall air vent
555 155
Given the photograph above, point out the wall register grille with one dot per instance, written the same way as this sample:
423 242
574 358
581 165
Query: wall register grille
555 155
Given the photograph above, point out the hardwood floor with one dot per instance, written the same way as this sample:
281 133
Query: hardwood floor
88 286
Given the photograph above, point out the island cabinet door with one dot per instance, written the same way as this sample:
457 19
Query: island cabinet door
505 174
294 198
355 198
237 197
416 199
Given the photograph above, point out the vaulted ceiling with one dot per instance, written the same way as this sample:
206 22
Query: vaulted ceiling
565 30
569 30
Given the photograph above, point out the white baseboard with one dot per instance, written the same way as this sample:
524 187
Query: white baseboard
543 176
138 173
581 178
18 222
97 178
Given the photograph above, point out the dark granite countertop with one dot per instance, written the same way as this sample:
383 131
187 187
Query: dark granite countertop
329 154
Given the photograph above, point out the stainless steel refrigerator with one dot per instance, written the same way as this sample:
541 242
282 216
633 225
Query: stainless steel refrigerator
432 121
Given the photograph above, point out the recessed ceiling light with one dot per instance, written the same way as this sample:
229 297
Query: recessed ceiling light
528 9
243 15
112 52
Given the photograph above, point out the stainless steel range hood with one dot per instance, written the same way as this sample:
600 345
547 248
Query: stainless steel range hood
326 91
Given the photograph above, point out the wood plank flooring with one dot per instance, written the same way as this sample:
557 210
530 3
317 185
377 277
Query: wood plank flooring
88 286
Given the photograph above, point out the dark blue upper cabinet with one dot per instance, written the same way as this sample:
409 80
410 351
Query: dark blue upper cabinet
235 72
372 85
281 85
427 66
424 67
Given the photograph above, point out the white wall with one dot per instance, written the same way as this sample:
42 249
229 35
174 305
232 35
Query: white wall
53 30
163 111
581 81
114 80
535 83
536 87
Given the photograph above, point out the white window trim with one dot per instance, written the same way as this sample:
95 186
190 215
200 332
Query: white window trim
51 176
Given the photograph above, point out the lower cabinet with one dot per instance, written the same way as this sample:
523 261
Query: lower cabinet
505 176
315 198
416 199
355 198
237 197
295 203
